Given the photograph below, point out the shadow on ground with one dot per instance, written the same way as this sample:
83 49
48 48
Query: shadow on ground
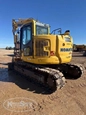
22 82
11 55
4 63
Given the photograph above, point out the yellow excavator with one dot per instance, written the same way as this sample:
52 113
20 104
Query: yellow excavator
43 56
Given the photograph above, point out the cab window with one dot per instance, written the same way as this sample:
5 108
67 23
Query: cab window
26 36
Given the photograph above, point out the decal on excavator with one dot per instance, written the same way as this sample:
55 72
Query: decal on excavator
65 49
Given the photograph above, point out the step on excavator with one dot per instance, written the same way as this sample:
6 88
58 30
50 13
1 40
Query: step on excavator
43 56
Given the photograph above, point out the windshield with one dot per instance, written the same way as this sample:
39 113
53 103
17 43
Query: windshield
41 30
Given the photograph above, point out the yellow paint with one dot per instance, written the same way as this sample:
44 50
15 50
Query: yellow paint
55 43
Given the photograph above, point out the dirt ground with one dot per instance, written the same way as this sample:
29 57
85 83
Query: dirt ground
14 88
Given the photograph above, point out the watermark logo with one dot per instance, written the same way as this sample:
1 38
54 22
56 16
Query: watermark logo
20 104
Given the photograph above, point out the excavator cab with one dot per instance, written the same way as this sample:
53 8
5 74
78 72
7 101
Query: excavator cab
27 34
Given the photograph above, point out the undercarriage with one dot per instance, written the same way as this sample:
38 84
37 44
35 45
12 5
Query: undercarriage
50 76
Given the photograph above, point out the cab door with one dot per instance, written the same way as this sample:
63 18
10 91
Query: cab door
26 40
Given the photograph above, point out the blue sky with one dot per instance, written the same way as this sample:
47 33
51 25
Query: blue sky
66 14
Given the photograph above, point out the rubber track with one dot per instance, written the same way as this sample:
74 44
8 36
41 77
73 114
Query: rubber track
42 72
